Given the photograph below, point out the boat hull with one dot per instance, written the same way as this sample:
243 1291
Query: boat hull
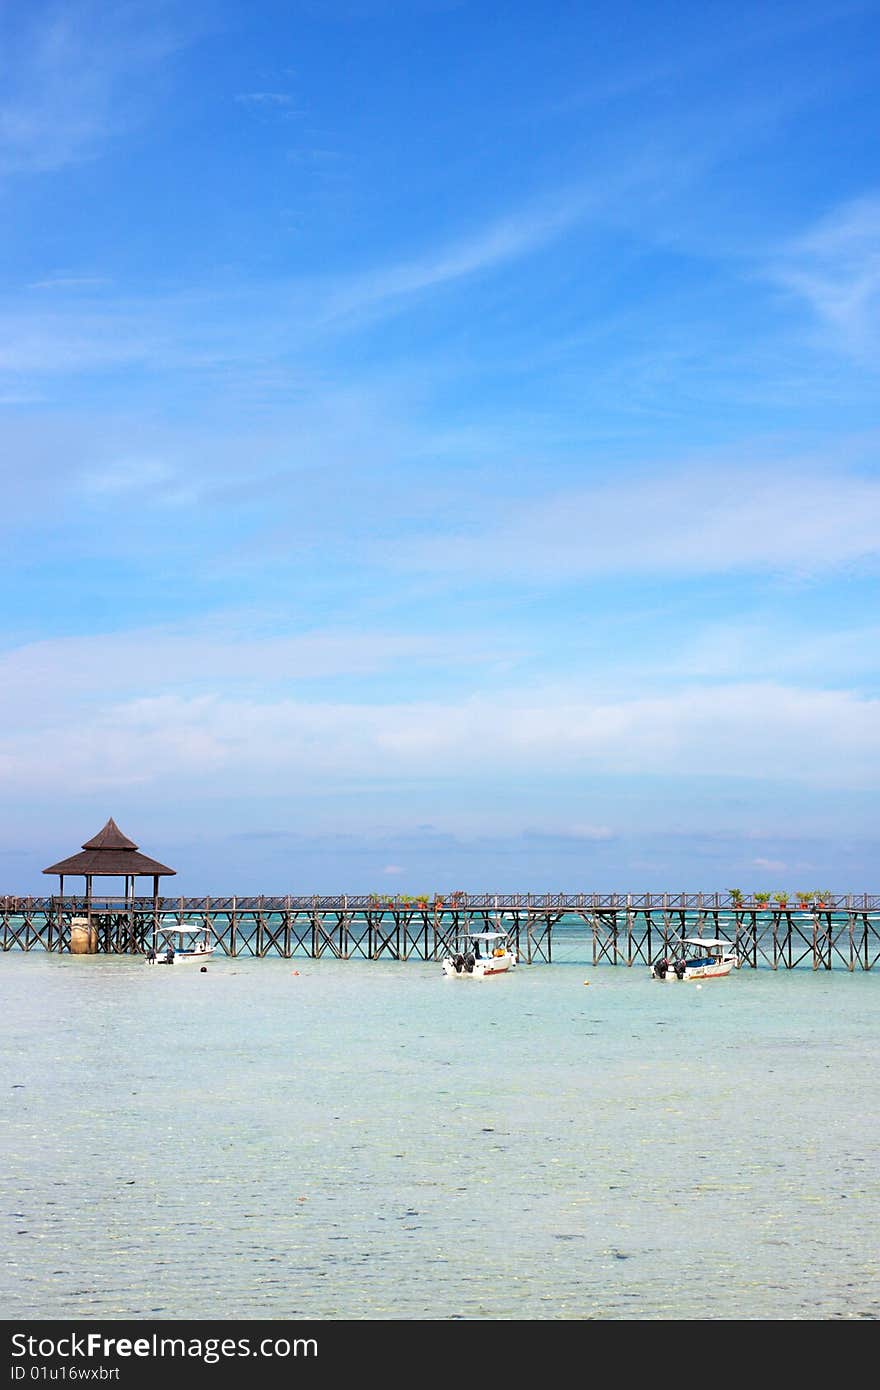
181 957
481 969
696 972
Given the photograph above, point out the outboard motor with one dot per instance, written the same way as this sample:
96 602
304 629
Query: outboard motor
469 963
661 968
680 967
458 962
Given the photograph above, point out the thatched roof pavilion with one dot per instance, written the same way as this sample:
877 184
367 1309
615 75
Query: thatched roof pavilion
110 854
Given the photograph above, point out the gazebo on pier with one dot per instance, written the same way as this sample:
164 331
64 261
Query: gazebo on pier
110 854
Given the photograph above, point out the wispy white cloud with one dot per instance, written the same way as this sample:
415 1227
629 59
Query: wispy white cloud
23 397
819 739
264 98
493 246
134 475
70 282
835 268
68 672
199 330
707 521
777 648
47 342
70 70
275 105
590 832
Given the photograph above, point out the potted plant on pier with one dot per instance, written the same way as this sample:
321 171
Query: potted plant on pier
762 899
422 902
781 900
736 897
804 900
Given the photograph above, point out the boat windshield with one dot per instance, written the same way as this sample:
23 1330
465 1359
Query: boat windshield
485 943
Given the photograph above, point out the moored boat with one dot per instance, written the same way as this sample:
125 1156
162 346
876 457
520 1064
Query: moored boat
701 958
481 954
180 946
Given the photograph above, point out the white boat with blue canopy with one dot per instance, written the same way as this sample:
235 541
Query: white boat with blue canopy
480 954
180 946
697 958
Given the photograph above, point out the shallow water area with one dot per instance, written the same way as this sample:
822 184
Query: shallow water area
369 1139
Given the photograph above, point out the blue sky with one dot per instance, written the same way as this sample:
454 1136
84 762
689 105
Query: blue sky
440 442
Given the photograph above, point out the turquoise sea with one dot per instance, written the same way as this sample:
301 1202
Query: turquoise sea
323 1139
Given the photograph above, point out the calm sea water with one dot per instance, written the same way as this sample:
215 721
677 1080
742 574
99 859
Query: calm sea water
371 1140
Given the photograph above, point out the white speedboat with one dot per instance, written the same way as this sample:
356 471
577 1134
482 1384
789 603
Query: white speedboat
180 946
482 953
701 958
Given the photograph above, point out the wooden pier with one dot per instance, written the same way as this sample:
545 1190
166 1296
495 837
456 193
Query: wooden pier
617 929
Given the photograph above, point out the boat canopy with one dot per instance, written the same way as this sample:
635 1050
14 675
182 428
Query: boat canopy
706 941
487 935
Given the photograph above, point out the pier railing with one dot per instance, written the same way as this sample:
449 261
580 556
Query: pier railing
841 931
859 902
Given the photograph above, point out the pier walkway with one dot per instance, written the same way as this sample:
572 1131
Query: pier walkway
842 932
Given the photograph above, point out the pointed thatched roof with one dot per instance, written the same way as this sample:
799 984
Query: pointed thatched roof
111 837
112 853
